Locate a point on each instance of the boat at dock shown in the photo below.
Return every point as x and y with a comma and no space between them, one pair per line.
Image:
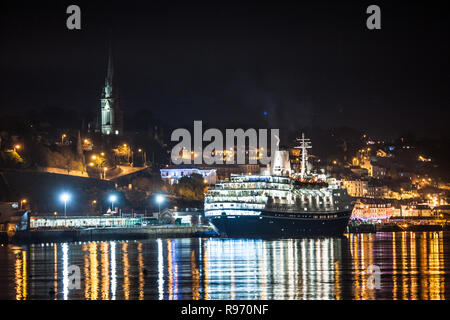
278,203
275,207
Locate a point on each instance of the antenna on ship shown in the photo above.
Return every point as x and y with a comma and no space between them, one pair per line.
304,145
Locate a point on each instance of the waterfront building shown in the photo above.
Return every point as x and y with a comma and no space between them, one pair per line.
173,174
376,189
355,187
442,211
12,217
211,173
83,222
374,209
378,172
419,210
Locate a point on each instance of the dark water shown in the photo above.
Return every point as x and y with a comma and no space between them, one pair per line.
412,266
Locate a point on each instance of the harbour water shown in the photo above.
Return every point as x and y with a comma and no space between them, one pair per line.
411,265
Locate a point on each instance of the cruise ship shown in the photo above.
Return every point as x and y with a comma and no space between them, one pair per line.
278,203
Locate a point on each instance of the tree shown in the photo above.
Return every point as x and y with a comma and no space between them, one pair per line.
123,153
136,198
190,188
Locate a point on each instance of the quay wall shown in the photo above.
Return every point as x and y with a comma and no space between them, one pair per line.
98,234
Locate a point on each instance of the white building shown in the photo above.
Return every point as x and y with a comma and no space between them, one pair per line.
174,174
355,187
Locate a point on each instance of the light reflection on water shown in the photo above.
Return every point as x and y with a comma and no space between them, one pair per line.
413,266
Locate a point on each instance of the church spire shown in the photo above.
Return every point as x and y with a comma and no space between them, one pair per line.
110,72
108,89
111,115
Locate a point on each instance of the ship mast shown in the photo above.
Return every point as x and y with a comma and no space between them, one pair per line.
304,145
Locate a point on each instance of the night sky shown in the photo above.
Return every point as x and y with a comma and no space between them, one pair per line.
304,63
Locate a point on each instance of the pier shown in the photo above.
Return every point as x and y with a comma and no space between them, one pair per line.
83,228
105,233
111,233
411,225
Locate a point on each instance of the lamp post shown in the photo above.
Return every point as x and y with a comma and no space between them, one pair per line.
159,200
65,197
113,199
142,156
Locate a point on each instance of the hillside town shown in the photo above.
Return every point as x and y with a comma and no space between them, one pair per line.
108,151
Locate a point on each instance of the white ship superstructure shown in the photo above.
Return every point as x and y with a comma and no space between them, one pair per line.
257,193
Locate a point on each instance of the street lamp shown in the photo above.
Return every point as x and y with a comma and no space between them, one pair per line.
65,197
113,199
159,200
22,202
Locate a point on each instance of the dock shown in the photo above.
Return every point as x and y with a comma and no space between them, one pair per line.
397,226
105,233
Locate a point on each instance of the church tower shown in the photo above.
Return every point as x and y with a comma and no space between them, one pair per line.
111,115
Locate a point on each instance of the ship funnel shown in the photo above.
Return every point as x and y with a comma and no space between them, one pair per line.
281,165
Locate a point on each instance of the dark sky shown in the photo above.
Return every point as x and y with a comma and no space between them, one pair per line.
224,62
